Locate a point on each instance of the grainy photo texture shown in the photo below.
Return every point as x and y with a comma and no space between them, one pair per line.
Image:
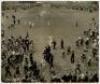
49,41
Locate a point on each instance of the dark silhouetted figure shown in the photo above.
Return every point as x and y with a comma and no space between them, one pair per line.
63,54
67,78
14,21
81,41
87,43
89,62
17,70
62,44
77,69
86,79
68,50
83,57
94,78
54,44
7,71
48,56
74,78
76,24
72,57
13,17
26,79
2,33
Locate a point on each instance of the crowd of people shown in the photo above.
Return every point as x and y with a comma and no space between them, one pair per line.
15,53
18,52
87,42
19,65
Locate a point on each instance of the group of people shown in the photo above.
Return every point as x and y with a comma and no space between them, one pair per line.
19,65
88,43
17,55
17,59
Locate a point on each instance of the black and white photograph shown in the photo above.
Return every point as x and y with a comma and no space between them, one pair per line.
50,41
